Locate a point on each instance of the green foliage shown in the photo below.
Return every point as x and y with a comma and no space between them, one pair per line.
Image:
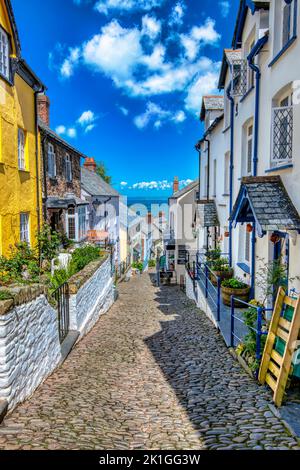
22,266
49,242
234,283
101,170
152,263
139,266
212,255
249,344
271,276
83,256
5,295
221,264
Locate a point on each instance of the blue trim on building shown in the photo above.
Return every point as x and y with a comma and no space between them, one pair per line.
247,94
293,38
244,267
279,168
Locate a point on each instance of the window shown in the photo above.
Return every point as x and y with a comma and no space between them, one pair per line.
247,245
21,149
24,228
51,161
215,178
4,54
71,224
282,131
249,149
286,22
68,163
82,223
226,173
250,70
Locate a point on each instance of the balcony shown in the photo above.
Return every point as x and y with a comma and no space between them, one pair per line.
282,136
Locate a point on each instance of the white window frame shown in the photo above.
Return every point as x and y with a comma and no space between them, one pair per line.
285,101
290,7
68,218
249,141
24,227
82,226
4,54
51,161
247,246
21,149
68,166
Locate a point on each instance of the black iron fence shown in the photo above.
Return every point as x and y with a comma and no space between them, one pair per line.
62,300
122,268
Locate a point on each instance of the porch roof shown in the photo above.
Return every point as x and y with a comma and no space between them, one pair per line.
65,203
208,214
265,201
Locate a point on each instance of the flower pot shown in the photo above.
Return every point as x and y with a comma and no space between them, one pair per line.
222,275
242,294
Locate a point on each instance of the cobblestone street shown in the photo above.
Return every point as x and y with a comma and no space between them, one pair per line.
152,374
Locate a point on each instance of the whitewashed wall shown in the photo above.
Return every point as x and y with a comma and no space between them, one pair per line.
29,349
92,299
197,296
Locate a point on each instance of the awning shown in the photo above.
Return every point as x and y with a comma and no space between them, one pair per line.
65,203
207,213
265,201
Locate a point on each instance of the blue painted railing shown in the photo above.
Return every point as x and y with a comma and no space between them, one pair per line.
203,276
259,324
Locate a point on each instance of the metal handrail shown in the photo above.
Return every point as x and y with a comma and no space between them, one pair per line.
217,302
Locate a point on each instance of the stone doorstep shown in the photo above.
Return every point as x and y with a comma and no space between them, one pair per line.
3,409
68,344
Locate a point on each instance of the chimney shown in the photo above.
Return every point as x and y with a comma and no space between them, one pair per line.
43,106
149,217
176,185
90,164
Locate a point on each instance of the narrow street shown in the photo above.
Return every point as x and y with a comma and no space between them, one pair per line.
152,374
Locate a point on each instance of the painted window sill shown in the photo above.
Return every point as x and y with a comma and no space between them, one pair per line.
247,94
279,168
283,50
244,267
23,170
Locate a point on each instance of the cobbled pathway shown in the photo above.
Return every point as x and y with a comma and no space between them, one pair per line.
152,374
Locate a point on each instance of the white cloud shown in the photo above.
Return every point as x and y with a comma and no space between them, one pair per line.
160,185
86,118
123,184
225,8
123,110
66,131
177,14
60,130
202,85
159,116
198,37
69,64
89,128
106,6
151,26
72,133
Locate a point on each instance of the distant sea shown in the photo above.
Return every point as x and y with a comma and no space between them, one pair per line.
147,203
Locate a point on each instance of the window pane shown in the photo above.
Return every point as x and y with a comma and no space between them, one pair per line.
71,228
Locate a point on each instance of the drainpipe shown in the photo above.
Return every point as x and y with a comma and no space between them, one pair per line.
231,167
198,149
256,49
208,183
37,163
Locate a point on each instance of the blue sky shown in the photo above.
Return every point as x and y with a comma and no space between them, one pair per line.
125,79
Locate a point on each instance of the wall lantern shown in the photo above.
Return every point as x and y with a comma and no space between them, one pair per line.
249,228
274,238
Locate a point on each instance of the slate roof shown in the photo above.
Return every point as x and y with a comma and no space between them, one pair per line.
211,103
207,213
229,56
185,190
65,202
46,130
95,185
266,200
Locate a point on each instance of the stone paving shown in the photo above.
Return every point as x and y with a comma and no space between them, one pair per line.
153,374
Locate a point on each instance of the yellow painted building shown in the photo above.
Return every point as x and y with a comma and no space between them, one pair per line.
20,188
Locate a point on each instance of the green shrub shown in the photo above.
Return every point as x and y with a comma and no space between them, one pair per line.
234,283
81,257
49,242
152,263
22,259
5,295
212,255
221,265
139,266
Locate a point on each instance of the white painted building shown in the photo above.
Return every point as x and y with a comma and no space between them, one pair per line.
254,167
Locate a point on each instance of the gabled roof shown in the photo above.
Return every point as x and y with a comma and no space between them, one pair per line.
211,103
47,131
229,56
264,200
208,214
185,190
93,184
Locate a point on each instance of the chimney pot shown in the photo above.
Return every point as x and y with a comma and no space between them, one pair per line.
176,184
90,164
149,218
43,108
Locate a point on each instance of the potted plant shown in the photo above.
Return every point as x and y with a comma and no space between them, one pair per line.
220,269
212,255
237,288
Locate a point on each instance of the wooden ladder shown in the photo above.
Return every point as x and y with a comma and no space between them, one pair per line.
274,368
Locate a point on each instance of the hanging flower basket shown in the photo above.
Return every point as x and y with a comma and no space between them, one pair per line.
274,238
249,228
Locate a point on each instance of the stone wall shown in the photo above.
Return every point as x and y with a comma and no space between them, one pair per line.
29,343
92,293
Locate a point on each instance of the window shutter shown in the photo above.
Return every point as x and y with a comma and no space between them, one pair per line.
286,24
